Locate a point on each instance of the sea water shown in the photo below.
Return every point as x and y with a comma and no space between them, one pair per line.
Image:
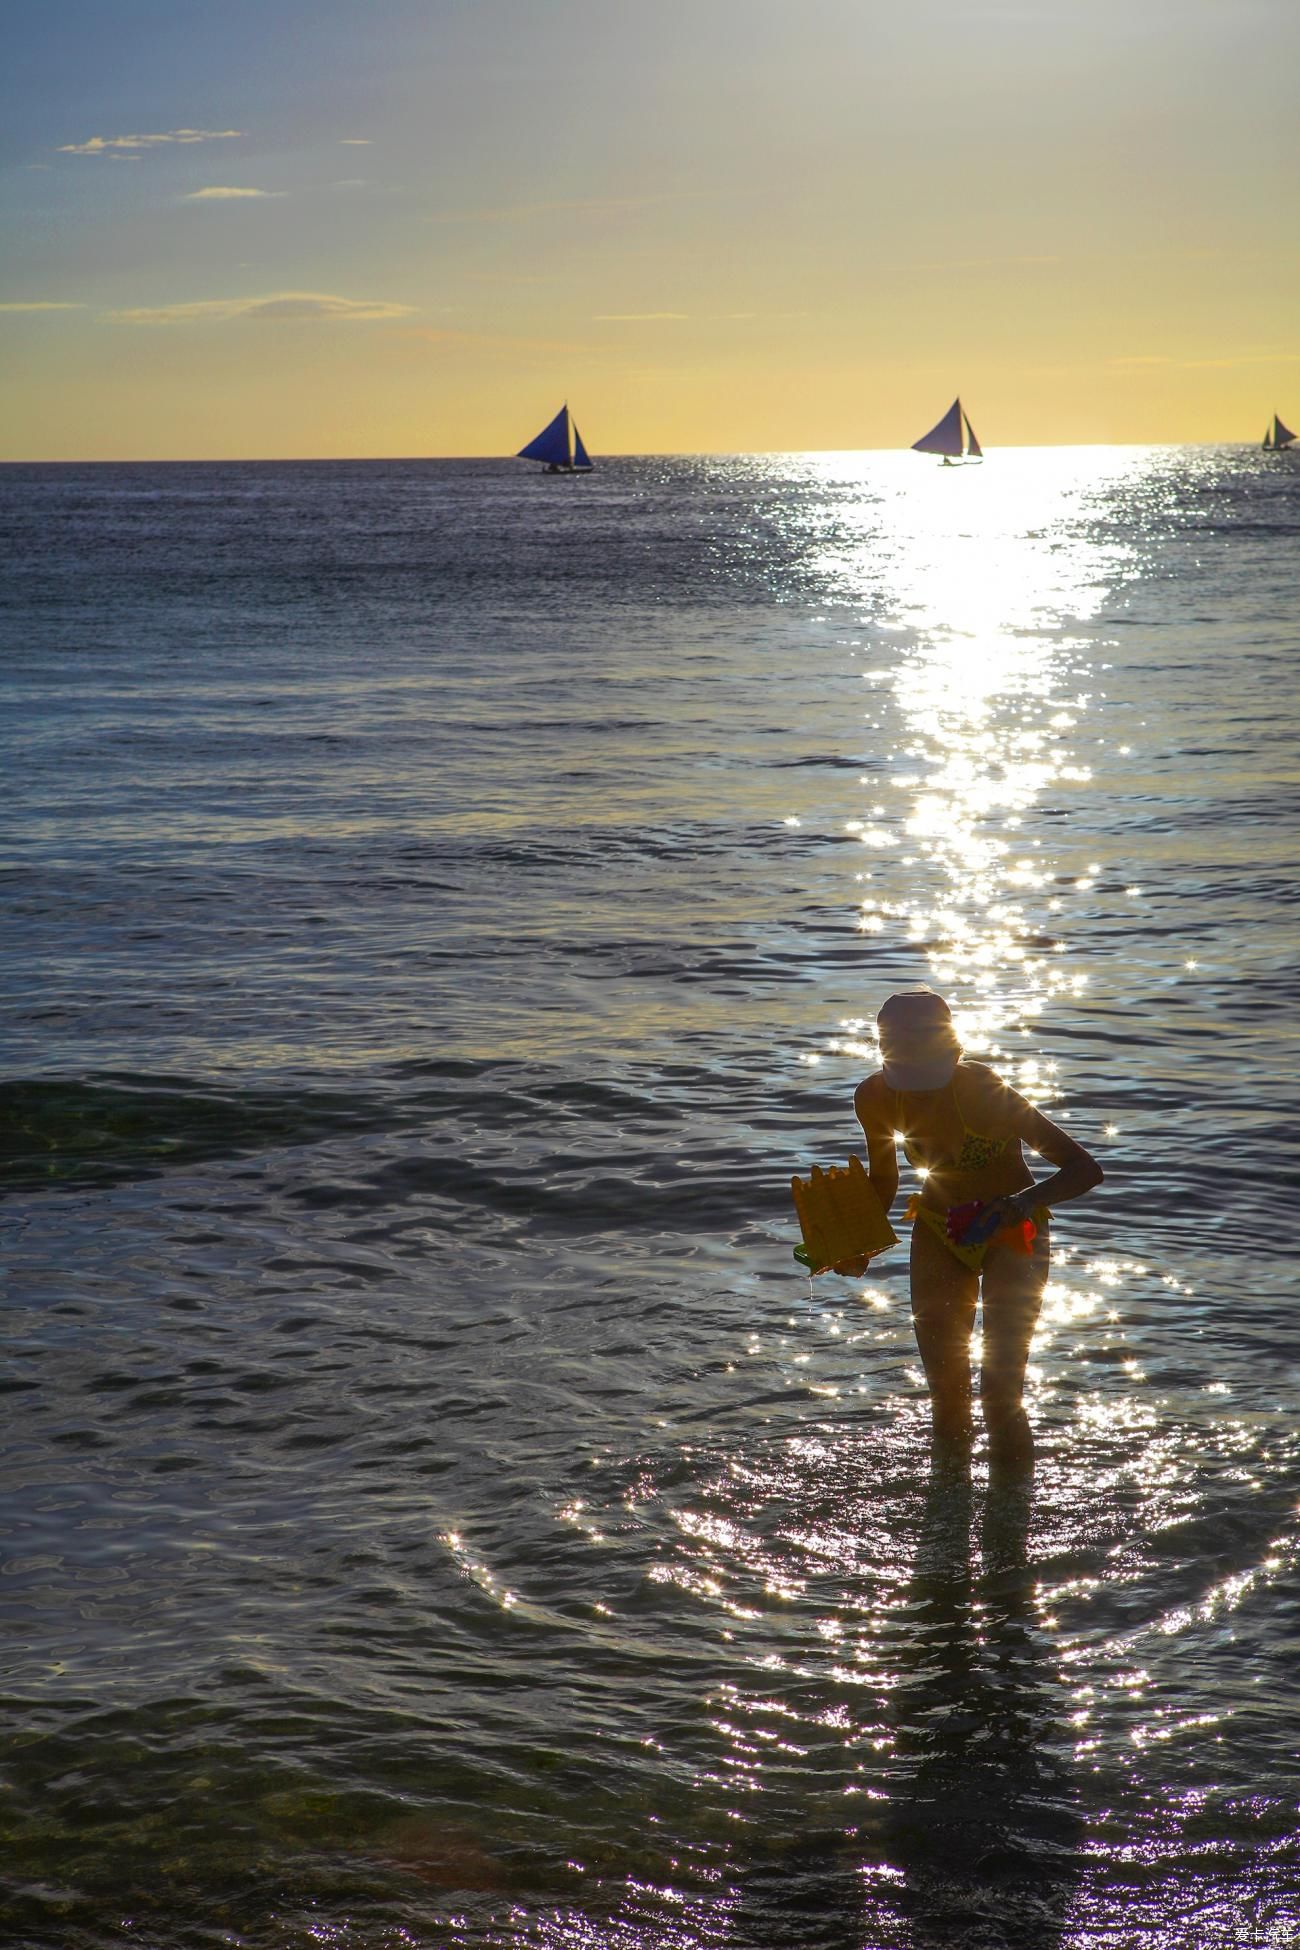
444,904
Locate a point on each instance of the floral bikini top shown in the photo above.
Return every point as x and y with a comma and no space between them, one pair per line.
977,1148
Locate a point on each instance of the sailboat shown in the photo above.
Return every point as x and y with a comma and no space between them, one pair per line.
559,446
1277,437
953,437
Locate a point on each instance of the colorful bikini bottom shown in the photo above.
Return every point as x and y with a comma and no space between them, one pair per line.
937,1222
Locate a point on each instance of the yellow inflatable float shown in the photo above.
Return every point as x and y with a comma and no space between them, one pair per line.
840,1217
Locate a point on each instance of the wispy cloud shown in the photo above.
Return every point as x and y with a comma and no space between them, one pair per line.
275,305
355,141
224,193
106,145
635,317
40,304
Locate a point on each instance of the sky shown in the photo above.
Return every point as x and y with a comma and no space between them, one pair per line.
320,228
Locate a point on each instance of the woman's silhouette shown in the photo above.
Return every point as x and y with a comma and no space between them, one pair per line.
964,1129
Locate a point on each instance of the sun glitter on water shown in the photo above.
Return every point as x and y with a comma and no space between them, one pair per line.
979,573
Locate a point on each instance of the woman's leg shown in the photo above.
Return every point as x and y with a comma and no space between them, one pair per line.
1013,1294
943,1313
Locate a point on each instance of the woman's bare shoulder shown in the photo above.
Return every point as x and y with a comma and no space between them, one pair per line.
872,1098
981,1086
978,1075
986,1094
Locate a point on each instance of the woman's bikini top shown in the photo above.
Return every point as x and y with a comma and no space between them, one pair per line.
977,1149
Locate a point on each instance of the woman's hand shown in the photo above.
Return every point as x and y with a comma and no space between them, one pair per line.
1015,1208
852,1268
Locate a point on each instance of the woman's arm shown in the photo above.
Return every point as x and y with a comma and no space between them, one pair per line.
882,1162
1077,1171
882,1157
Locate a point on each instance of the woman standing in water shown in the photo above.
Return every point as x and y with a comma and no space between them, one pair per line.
963,1128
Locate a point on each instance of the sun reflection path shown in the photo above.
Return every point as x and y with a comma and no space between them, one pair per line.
985,696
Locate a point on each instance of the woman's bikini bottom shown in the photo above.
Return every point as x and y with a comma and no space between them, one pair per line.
937,1222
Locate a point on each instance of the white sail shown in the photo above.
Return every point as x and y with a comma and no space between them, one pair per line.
1282,435
972,444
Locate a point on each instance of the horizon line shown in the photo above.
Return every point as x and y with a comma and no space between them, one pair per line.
668,453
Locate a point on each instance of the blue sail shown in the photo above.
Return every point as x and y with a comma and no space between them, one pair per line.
581,458
552,443
944,438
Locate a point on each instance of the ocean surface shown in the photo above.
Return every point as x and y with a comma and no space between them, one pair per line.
443,906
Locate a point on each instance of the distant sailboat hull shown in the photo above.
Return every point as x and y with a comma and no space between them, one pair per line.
953,438
559,447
